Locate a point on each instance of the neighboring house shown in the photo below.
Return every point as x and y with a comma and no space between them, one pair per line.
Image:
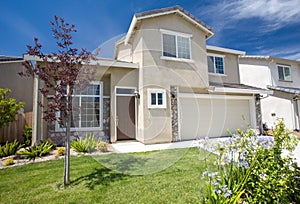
283,77
165,85
21,87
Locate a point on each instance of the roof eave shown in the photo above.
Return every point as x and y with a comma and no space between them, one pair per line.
214,89
135,19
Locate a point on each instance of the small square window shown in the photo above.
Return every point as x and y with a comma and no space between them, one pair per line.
284,73
156,98
215,64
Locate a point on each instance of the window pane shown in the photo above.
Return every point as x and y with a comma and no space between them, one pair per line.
287,74
210,63
280,73
183,46
159,98
92,89
169,45
153,99
125,91
90,112
219,65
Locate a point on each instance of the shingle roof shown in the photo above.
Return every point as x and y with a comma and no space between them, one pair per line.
234,85
173,8
8,58
291,90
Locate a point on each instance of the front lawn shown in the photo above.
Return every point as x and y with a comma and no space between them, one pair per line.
169,176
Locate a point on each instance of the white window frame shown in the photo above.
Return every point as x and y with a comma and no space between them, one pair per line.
59,128
214,56
176,34
157,91
284,77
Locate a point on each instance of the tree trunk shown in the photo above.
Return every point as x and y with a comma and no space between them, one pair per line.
67,143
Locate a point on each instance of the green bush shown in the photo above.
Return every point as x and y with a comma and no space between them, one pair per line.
102,146
27,134
60,151
253,169
88,144
37,150
9,162
10,148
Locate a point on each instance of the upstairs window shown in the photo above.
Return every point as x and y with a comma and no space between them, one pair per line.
176,45
215,64
157,98
284,72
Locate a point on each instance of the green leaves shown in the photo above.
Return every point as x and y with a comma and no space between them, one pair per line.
88,144
8,107
9,148
37,150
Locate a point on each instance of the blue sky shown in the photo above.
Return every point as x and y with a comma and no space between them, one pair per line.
263,27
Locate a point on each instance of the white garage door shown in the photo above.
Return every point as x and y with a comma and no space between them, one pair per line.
213,116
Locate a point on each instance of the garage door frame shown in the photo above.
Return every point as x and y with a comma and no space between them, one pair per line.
223,97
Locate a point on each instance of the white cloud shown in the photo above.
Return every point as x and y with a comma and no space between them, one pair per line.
274,14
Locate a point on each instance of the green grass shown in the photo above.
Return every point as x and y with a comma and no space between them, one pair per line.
169,176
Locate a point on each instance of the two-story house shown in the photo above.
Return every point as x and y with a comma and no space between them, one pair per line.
283,77
165,84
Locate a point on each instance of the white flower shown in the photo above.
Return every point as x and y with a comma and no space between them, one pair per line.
263,176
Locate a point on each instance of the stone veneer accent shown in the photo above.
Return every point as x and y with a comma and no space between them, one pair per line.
174,113
58,137
258,113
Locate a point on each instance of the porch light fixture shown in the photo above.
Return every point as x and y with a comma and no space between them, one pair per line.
136,94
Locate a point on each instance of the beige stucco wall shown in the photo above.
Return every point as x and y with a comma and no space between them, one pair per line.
154,125
21,87
231,67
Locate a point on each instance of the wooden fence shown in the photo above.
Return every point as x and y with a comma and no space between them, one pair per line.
14,130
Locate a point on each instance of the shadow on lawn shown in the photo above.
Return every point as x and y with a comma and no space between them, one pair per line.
119,165
100,176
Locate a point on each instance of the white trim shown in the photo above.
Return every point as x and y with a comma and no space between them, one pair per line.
212,96
156,91
178,115
100,62
226,50
241,91
216,74
172,32
177,59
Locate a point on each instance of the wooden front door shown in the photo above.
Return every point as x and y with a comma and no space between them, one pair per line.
125,117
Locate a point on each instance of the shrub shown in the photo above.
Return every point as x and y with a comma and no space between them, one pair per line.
37,150
9,148
102,146
27,134
9,162
253,169
88,144
60,151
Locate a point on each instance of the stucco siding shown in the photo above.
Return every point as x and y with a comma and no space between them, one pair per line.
21,87
231,69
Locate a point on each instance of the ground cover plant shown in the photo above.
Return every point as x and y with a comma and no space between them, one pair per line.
91,182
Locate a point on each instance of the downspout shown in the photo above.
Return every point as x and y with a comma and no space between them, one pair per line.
35,106
297,122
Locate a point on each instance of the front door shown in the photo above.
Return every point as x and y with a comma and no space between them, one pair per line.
125,117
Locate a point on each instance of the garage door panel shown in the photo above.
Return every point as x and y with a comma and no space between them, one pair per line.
212,117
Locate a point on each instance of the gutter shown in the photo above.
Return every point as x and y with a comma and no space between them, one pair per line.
214,89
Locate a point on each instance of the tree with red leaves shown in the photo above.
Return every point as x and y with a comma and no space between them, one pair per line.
62,72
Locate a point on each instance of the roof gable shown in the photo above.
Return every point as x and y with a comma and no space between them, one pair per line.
165,11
